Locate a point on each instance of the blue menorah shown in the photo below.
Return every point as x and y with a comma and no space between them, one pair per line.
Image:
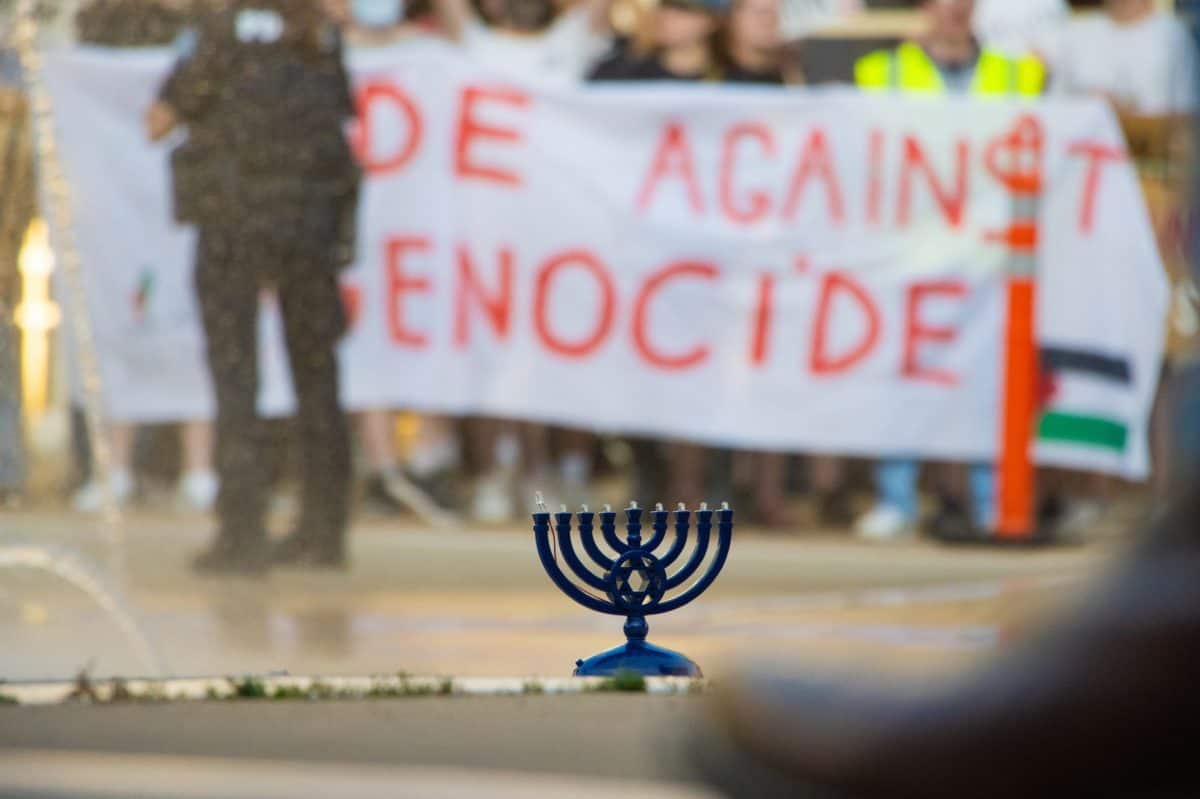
635,582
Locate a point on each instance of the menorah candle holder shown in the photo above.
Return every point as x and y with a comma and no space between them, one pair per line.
635,581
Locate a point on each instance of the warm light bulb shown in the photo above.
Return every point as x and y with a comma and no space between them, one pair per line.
36,258
37,317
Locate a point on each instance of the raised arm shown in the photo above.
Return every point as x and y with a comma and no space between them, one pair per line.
188,91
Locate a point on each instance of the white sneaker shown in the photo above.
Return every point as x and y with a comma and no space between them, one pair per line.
90,498
198,490
1079,521
492,501
884,523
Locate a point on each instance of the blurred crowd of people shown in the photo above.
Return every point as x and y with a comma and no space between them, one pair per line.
1140,58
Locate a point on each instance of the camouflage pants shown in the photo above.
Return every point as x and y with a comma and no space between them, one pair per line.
230,270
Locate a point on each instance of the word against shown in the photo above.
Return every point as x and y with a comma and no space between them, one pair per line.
747,173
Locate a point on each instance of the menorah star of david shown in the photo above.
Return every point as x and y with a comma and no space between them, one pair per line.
634,583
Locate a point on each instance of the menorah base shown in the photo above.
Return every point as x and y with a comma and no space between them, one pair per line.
639,657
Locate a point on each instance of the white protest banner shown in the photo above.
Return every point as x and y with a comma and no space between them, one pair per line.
776,269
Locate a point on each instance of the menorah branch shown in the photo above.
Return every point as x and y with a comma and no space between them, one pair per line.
562,527
541,534
703,531
587,537
682,523
724,542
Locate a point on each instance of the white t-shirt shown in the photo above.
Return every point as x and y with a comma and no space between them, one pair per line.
563,53
1018,27
1149,66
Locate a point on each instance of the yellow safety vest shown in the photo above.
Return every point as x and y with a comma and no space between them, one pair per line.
910,69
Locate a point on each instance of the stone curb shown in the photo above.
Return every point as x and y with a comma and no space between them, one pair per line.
286,687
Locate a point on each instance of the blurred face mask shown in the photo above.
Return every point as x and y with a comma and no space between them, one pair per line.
377,13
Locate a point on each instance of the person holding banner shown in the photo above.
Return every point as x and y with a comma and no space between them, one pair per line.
1018,28
198,484
1144,62
532,39
536,41
753,46
422,482
679,42
738,44
944,58
268,177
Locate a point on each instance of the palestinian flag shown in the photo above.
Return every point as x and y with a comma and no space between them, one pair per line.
1087,400
141,296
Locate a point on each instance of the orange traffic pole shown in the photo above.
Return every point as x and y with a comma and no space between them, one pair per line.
1015,473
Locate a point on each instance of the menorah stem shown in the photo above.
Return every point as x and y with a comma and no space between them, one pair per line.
636,628
633,527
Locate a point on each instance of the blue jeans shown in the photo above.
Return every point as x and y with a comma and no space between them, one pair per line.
896,487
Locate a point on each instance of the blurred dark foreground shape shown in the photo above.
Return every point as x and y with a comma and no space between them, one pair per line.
1104,703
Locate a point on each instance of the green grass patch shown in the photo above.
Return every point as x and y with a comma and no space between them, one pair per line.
403,686
121,692
316,690
285,692
248,688
624,681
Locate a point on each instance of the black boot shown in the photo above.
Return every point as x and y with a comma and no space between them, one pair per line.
232,557
304,550
952,524
1103,704
835,508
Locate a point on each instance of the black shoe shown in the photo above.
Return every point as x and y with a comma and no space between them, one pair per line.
834,509
1104,704
953,525
224,558
304,551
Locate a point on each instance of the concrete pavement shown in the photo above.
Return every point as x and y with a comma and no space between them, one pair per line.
476,602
